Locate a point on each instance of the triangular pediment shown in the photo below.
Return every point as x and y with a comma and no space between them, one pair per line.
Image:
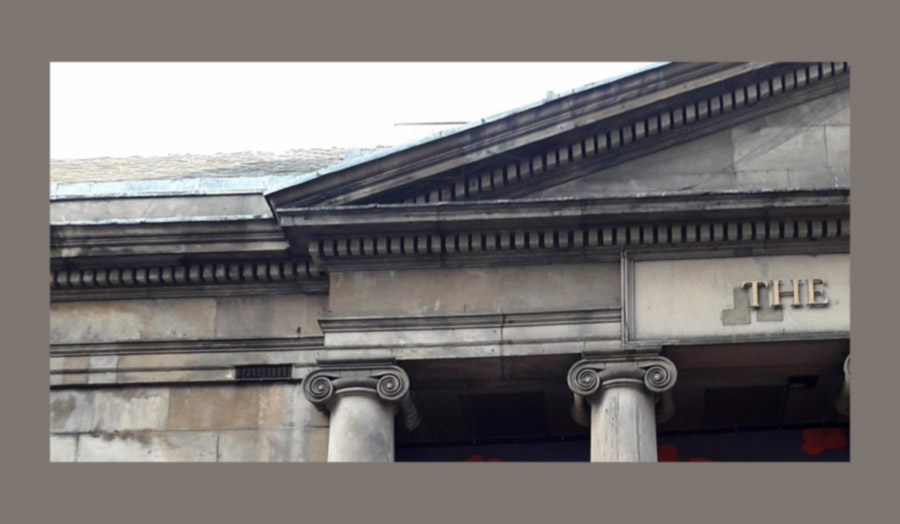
806,147
669,129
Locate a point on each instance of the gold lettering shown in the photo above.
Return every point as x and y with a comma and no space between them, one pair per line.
813,292
776,290
754,293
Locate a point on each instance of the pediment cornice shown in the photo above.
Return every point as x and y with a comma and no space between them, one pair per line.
521,152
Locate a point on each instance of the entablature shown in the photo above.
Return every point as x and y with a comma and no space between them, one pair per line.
464,233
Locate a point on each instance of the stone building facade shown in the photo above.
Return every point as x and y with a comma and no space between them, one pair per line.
660,256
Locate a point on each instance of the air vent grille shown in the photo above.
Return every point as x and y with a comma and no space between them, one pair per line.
263,372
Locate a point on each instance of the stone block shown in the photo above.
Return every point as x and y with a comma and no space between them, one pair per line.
145,446
300,412
71,411
126,320
414,292
131,409
270,316
225,407
749,179
559,287
176,375
837,141
285,445
255,446
62,448
821,178
75,378
57,363
789,147
102,369
76,363
309,445
841,116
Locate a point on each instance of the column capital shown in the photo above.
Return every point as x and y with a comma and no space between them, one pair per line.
389,382
587,376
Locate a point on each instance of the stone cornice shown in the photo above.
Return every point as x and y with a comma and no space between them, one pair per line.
503,213
478,233
156,239
186,279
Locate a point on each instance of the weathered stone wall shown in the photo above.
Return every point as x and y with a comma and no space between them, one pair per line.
186,319
803,147
214,423
482,290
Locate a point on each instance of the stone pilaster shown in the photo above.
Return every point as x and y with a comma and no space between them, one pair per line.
624,398
362,400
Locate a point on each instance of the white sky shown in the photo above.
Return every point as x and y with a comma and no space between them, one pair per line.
150,109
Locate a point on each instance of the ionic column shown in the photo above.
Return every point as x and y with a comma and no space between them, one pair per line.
362,400
624,399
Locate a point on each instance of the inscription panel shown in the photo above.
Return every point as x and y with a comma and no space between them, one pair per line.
777,295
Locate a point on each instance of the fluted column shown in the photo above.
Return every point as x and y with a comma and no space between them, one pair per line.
362,400
624,398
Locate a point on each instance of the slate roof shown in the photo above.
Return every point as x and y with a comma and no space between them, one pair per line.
240,172
197,166
237,172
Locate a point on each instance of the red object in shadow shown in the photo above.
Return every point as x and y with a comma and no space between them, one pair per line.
478,458
700,459
818,440
667,453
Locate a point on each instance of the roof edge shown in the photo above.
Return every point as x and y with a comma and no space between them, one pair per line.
347,182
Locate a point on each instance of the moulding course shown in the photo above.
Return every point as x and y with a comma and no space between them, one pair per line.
188,279
163,347
484,320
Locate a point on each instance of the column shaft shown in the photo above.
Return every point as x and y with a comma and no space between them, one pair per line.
623,423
